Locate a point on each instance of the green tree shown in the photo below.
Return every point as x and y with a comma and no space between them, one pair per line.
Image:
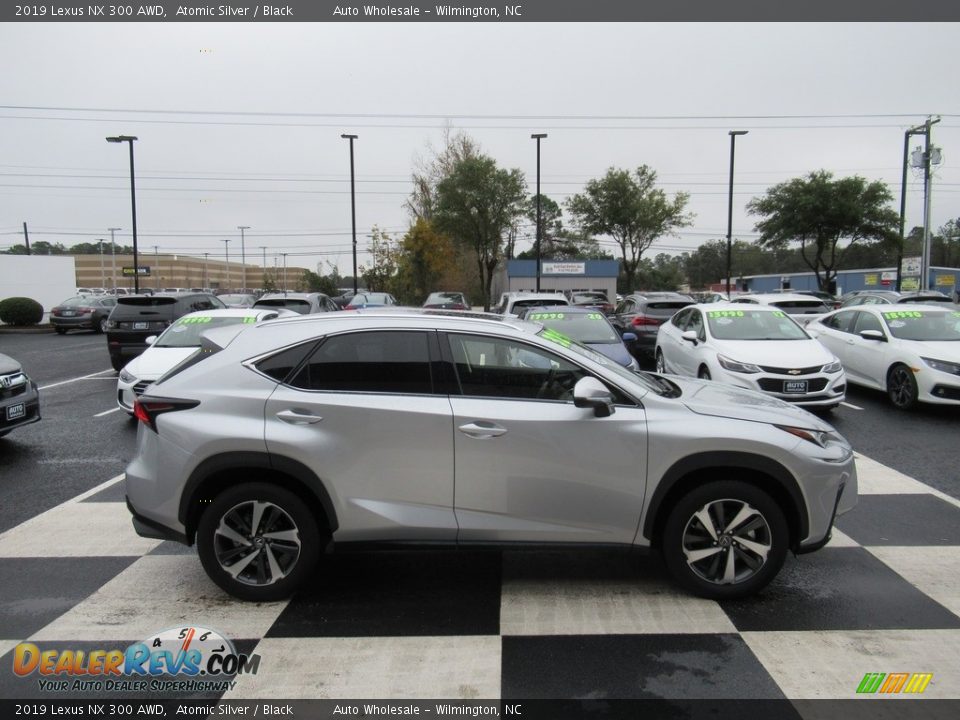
325,284
630,209
381,274
476,204
430,172
427,262
820,213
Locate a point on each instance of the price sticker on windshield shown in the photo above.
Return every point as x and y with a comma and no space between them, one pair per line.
557,337
902,314
198,320
725,313
545,316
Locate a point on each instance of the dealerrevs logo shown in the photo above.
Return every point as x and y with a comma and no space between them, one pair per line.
185,659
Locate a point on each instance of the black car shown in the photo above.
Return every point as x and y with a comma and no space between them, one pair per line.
137,317
643,315
83,312
19,397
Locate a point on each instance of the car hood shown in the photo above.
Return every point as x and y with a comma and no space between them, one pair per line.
8,365
727,401
936,350
155,361
615,351
776,353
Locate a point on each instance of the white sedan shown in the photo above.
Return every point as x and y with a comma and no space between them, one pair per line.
758,347
177,343
912,354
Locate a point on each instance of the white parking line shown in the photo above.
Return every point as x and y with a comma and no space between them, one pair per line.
107,412
84,377
855,407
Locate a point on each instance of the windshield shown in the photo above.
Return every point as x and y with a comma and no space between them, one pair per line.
188,330
753,325
923,326
588,328
797,307
77,302
295,304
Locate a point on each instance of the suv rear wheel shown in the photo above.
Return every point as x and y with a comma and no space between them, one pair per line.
725,540
258,542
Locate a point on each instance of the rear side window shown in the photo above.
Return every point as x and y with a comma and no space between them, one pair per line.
280,366
383,361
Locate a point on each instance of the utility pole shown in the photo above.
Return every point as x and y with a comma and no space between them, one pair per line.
927,190
103,279
26,237
243,256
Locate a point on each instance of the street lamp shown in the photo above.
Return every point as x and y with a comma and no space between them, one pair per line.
353,210
733,144
284,273
226,250
113,246
538,137
243,256
133,205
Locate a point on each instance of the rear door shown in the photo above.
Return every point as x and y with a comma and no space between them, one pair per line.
361,412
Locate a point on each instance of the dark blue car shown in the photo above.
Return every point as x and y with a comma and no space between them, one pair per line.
587,326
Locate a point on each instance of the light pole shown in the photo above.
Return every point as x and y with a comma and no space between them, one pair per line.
733,144
113,246
103,279
263,280
353,211
538,137
243,256
226,250
284,273
133,206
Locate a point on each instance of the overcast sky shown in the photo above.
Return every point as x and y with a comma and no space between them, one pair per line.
240,124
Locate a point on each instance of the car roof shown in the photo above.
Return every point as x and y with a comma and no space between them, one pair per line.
781,297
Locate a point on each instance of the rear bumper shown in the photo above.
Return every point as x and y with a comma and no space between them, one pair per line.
154,530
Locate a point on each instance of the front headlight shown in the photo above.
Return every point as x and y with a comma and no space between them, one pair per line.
126,377
833,367
734,366
820,438
943,366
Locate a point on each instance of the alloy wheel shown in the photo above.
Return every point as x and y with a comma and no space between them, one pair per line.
257,543
726,541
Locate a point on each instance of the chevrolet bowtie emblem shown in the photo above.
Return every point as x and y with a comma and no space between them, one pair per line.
794,372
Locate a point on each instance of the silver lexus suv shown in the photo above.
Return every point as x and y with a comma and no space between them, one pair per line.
304,435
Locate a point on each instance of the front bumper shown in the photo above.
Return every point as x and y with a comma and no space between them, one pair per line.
19,406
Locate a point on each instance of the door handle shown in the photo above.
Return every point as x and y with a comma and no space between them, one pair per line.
482,430
295,417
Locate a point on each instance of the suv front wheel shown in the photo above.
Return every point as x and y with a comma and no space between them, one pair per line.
258,542
725,540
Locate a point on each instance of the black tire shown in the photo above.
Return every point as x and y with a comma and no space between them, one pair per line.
117,364
661,364
902,387
712,576
295,557
60,331
100,326
704,373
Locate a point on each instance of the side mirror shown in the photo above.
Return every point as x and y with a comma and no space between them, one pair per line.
151,340
629,337
690,336
873,335
591,393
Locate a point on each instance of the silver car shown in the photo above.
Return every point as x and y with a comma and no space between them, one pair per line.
309,434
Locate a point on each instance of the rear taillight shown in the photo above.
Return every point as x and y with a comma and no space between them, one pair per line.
84,311
644,320
146,410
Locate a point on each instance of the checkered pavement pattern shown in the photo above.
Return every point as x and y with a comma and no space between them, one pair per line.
883,596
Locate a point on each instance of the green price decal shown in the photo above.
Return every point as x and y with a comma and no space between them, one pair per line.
249,320
557,337
594,316
545,316
195,320
725,313
902,314
779,313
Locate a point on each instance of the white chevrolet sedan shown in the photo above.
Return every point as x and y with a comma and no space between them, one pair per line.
911,353
758,347
177,343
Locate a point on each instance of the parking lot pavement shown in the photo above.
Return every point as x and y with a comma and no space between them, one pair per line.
883,597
